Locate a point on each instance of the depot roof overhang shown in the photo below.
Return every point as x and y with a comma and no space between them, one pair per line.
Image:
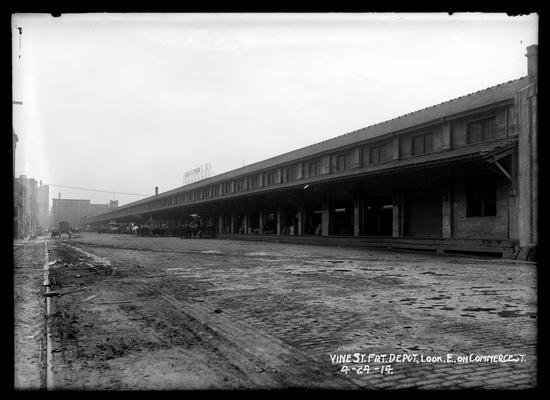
494,97
478,152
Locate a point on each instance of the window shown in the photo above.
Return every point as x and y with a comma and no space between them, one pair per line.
253,180
315,168
422,144
226,187
270,178
481,197
379,154
482,130
239,185
290,174
342,162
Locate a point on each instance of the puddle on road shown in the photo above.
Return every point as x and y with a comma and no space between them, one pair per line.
515,314
509,314
438,298
434,273
478,309
258,253
211,252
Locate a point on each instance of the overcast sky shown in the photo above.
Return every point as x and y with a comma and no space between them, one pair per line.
127,102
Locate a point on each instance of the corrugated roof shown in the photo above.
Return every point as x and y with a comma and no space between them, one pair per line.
481,98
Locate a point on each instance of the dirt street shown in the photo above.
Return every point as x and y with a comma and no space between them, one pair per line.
170,313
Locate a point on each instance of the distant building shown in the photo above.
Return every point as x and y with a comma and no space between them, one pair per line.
113,204
74,210
70,210
25,207
18,210
43,200
30,203
96,209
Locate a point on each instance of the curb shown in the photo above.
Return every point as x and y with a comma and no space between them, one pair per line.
49,355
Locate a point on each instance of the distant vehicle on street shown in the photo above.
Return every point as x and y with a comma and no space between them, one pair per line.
64,227
102,229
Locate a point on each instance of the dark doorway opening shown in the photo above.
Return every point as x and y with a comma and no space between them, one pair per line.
270,226
313,218
239,224
254,222
341,215
290,222
379,216
423,213
226,223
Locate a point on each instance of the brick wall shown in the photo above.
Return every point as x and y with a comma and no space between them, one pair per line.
480,227
406,140
459,128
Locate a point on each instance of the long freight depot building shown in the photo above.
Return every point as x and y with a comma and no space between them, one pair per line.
460,176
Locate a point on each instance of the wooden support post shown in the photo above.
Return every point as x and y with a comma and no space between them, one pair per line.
397,208
246,222
447,206
356,216
325,218
262,221
300,221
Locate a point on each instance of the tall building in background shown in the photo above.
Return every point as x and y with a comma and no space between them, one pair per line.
25,207
43,200
74,210
18,209
70,210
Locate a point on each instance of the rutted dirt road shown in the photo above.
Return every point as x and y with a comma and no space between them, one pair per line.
166,313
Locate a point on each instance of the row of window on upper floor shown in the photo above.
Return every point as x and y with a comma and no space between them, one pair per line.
477,131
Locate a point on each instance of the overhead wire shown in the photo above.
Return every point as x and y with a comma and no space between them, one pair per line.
97,190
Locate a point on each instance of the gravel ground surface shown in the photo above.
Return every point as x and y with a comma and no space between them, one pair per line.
170,313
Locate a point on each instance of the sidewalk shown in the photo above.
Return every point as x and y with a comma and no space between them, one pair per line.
29,316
